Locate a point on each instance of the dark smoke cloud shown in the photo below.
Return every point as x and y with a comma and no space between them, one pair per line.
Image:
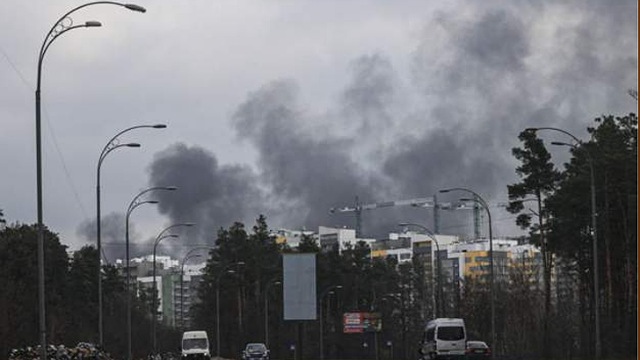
498,41
477,87
113,237
310,173
368,97
209,194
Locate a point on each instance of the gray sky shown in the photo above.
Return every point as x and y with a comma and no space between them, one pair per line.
290,108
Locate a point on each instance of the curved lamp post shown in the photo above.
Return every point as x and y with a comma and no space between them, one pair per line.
321,335
266,310
184,260
159,238
432,236
113,144
399,297
225,270
594,232
484,204
132,206
61,26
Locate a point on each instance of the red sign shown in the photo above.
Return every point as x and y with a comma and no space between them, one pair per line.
359,322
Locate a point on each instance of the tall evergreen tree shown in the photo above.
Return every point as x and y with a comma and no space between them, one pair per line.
539,179
612,152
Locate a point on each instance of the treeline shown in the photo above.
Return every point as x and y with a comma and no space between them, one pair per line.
71,298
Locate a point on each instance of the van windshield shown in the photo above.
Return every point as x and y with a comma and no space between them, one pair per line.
188,344
450,333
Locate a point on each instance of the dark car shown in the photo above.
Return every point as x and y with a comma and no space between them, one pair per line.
255,351
478,350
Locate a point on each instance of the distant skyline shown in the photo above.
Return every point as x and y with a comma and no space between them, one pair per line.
288,109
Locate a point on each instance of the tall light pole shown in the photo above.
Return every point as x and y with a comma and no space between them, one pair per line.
154,307
596,286
61,26
159,238
399,297
266,310
432,236
186,258
113,144
224,270
321,335
132,206
484,204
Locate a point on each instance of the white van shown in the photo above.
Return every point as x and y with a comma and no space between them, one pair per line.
195,345
444,338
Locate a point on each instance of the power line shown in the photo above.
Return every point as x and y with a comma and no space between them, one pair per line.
51,133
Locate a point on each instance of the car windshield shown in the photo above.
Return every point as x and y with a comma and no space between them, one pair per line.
188,344
256,347
450,333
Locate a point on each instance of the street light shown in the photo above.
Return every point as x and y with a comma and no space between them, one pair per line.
222,272
432,236
181,276
399,297
109,147
59,27
484,204
187,257
132,206
596,286
155,295
322,294
266,311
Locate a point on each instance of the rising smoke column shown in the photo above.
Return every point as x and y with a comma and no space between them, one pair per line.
487,73
113,237
310,170
209,194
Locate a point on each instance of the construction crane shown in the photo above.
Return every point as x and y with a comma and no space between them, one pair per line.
430,202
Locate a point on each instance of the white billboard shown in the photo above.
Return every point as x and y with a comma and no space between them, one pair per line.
299,286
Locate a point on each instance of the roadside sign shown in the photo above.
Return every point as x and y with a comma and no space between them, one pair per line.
360,322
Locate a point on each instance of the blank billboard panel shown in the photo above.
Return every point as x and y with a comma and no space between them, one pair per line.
299,286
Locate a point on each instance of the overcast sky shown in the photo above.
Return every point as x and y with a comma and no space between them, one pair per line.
290,108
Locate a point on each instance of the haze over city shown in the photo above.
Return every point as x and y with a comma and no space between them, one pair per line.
290,109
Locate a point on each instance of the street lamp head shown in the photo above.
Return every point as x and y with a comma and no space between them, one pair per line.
159,126
230,271
403,224
445,190
466,199
172,236
531,129
241,263
171,188
136,145
560,143
92,23
134,7
338,286
151,201
277,283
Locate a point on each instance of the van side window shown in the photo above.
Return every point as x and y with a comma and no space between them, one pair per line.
429,336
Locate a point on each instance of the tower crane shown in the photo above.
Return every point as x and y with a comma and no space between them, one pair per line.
428,202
